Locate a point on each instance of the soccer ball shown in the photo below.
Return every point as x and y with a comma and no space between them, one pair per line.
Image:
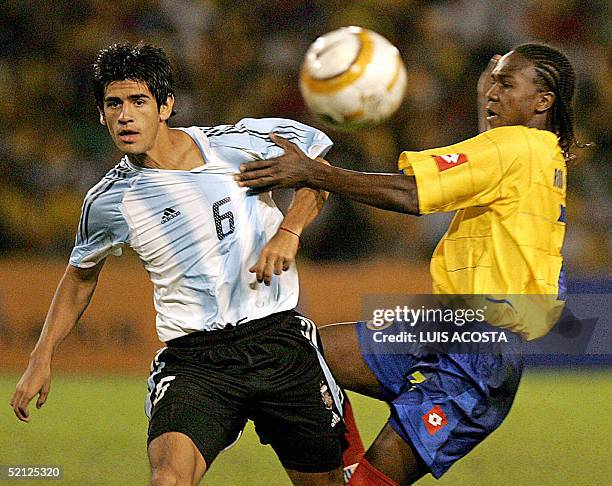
352,77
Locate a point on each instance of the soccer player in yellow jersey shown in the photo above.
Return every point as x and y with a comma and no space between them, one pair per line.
504,244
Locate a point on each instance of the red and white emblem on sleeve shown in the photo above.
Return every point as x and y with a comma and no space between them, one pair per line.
448,161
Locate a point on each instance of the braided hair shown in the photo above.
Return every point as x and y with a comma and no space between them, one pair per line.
555,73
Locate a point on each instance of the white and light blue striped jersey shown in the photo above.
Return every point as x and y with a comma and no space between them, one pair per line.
196,231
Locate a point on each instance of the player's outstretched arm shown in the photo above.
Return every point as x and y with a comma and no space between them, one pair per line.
394,192
279,253
71,298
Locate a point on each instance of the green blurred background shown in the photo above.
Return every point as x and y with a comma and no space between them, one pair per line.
236,59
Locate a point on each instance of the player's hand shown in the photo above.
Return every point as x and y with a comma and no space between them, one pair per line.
291,169
483,87
276,257
484,81
35,380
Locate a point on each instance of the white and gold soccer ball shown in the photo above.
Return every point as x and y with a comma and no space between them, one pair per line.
352,77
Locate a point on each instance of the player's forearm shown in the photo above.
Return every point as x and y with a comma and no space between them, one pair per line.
306,205
71,298
393,192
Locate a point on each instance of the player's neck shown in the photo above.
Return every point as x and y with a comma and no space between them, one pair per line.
173,150
540,121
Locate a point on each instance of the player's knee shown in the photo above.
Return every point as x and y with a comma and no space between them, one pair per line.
175,461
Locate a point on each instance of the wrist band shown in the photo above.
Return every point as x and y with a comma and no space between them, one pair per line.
292,232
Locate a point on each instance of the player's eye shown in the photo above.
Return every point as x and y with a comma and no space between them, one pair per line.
112,104
140,102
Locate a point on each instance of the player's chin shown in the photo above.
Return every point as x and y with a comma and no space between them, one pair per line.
495,121
131,148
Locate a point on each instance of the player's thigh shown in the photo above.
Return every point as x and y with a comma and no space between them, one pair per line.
393,456
331,478
175,459
343,355
196,401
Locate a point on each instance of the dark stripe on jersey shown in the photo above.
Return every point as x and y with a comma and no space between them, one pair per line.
216,130
121,171
89,203
267,139
81,233
292,127
123,168
118,174
255,133
225,128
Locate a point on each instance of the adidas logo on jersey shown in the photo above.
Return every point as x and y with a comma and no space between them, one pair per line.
169,214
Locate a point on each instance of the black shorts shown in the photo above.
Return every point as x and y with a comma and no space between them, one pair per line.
206,385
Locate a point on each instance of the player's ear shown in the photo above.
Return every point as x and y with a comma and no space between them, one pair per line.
165,110
546,99
102,117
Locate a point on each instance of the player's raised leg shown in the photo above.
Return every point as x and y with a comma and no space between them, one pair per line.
340,344
175,460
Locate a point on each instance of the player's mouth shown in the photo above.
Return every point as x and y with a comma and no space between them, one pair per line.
491,115
128,136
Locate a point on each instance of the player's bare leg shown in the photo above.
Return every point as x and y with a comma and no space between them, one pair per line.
343,356
390,455
175,460
331,478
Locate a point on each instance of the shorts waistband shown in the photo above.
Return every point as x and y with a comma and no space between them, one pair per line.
230,333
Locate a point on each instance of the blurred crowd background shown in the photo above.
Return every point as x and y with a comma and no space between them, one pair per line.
238,59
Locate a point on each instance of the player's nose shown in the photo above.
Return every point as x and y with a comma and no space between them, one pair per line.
125,115
492,94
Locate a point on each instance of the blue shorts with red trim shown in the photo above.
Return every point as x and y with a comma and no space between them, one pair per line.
444,404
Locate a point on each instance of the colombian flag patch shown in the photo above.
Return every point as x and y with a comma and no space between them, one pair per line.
449,161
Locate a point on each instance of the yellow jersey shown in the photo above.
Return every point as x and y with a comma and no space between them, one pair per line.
508,188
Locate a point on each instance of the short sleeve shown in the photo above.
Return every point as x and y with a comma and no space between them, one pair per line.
467,174
102,228
253,134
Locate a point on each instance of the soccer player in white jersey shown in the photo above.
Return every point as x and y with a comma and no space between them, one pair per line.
235,349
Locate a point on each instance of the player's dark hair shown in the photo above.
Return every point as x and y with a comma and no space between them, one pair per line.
554,72
140,62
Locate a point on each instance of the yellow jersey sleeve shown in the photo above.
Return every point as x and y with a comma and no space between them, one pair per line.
466,174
